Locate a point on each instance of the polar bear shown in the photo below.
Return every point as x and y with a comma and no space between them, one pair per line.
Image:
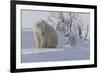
45,35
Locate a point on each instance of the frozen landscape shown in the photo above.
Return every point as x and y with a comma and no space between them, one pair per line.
73,30
30,54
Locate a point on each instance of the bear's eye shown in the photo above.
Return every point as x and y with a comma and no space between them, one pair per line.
38,25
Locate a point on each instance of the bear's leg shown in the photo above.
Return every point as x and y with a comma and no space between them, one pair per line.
43,41
37,39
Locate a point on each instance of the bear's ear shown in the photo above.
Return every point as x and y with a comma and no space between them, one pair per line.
43,21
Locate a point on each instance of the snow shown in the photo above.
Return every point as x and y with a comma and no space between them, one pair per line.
41,50
62,53
65,54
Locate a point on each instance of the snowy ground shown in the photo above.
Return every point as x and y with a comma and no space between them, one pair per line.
30,54
55,55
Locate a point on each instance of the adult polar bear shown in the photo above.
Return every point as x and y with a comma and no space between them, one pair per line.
45,35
